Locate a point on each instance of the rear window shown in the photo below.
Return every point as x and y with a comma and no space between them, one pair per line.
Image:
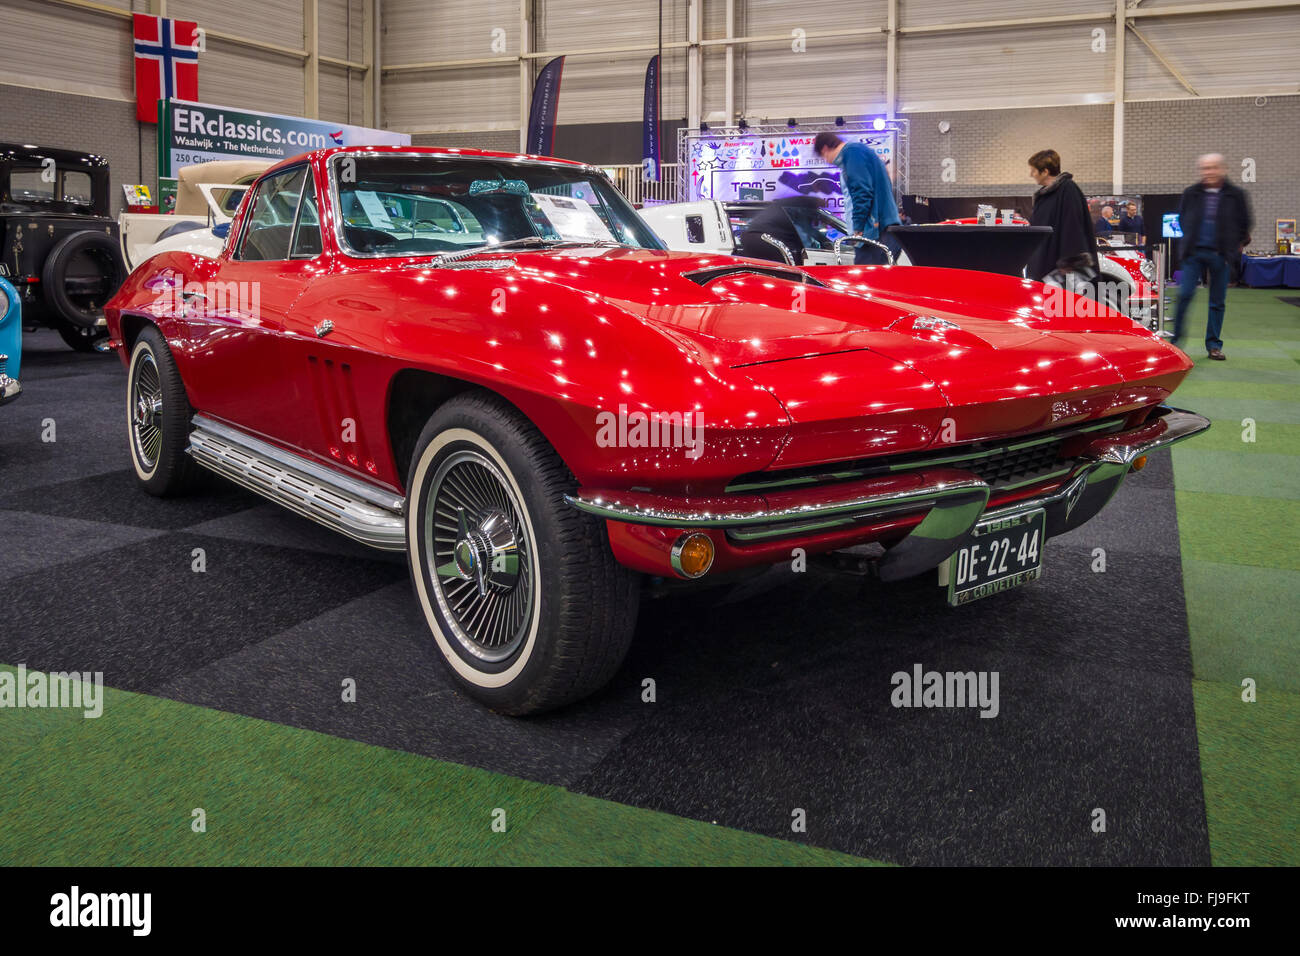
36,184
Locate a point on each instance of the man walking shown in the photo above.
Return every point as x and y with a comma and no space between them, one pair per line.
1215,218
869,205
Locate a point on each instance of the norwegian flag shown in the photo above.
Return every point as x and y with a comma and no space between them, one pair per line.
166,63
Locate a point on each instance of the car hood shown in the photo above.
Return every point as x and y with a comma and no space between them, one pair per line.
994,354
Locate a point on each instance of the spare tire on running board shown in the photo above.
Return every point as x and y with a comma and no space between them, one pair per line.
81,274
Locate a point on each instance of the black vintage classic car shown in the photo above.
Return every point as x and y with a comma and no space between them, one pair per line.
58,245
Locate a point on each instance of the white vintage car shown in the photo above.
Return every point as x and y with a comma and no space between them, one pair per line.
207,197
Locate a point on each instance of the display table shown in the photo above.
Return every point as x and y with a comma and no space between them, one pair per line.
1261,272
1003,249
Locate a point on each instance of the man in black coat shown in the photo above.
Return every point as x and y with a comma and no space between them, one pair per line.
1215,219
774,220
1060,203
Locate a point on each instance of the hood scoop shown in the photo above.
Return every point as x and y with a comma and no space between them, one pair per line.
704,277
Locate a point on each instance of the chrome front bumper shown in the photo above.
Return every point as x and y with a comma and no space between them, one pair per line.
954,500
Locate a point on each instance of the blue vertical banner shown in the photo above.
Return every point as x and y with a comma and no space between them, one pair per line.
546,103
650,147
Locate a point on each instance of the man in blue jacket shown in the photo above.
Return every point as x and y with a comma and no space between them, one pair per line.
869,205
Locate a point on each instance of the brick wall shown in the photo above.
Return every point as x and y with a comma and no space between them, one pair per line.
1162,141
990,149
89,124
502,140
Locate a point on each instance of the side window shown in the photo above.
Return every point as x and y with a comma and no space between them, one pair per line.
269,229
29,184
76,187
306,237
694,228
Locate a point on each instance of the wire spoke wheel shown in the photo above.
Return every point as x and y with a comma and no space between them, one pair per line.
147,411
479,556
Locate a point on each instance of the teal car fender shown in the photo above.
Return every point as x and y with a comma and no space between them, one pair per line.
11,342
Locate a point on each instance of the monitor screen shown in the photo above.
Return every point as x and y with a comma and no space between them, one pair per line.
1171,229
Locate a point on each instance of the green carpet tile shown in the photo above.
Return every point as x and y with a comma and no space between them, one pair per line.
1239,523
121,790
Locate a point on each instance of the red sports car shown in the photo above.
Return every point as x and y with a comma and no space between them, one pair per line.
489,362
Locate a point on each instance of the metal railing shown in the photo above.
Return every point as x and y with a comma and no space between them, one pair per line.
628,180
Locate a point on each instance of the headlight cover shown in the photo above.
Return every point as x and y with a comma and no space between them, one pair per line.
1148,270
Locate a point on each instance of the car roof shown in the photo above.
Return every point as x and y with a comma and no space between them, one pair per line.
17,151
324,155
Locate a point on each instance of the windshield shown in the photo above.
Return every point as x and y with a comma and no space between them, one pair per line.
395,205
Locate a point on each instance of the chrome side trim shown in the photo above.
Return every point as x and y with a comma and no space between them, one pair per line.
351,507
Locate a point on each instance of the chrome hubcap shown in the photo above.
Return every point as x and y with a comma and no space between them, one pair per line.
147,411
487,553
482,572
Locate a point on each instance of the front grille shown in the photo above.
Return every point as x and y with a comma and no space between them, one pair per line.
1004,465
1007,468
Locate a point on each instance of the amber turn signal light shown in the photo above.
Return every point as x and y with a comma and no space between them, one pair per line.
1139,462
692,554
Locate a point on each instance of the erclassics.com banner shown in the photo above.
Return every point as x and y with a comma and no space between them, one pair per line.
203,132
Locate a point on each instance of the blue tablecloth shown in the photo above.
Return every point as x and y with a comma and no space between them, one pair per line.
1266,271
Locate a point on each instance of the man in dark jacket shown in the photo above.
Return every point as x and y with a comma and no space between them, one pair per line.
1102,225
868,194
1215,218
1134,223
1059,203
774,220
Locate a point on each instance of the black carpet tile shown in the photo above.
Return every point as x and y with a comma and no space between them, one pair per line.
82,396
30,542
405,699
115,497
142,615
267,523
937,786
767,698
788,704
